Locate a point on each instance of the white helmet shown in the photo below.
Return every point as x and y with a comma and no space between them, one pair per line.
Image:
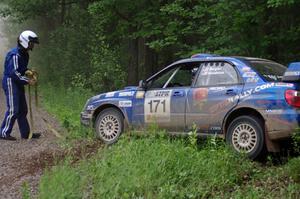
26,37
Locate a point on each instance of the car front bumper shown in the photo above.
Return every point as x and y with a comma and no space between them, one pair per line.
86,118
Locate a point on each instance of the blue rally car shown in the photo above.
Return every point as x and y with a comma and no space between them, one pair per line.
253,103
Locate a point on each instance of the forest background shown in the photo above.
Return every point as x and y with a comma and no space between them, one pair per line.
102,45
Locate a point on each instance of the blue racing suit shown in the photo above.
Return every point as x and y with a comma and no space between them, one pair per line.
13,82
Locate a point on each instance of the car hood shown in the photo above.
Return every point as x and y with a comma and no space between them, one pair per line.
127,92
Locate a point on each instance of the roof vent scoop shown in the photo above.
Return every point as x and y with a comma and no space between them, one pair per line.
203,55
292,73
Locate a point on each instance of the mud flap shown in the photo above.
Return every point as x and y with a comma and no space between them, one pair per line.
272,146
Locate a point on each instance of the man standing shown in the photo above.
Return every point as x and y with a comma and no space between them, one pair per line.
13,82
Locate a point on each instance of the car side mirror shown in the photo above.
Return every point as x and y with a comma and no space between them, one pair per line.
142,84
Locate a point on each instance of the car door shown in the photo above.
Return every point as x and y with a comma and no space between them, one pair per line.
164,102
214,94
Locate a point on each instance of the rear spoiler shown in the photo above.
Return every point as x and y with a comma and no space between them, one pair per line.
292,73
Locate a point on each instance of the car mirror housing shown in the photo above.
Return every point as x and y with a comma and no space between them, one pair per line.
142,84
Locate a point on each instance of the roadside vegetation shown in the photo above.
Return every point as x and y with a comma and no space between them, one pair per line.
66,105
154,165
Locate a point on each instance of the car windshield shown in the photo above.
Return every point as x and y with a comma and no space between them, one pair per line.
271,71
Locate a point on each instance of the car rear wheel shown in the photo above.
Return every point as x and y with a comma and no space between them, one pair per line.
109,125
245,134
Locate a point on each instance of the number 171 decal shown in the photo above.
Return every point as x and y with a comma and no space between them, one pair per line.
157,106
157,103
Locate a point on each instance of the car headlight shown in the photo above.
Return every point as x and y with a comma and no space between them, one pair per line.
86,105
90,108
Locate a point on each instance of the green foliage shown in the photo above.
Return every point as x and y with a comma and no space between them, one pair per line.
105,41
294,169
278,3
65,53
181,28
158,167
70,44
296,142
25,9
107,73
68,183
165,173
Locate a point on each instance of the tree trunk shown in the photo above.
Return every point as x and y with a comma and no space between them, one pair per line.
132,78
63,11
151,59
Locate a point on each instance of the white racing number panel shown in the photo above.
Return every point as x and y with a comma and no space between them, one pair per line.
157,106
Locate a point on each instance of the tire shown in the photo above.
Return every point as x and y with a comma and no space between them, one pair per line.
109,125
245,134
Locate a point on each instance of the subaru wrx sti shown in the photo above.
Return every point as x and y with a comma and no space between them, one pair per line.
253,103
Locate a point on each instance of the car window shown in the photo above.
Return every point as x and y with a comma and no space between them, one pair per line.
216,73
160,80
180,76
183,76
271,71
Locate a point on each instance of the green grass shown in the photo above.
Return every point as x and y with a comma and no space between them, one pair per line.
157,167
66,105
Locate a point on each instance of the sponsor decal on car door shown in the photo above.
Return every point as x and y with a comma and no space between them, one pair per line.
157,106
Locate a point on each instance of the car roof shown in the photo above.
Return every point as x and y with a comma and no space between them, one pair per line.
252,59
211,58
219,58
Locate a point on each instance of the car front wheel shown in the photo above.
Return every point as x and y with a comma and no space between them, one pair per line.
109,125
245,134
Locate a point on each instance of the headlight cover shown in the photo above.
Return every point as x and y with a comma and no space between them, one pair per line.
86,105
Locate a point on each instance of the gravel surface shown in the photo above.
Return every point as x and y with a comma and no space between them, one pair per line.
25,160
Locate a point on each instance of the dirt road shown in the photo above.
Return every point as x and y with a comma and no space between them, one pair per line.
25,160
